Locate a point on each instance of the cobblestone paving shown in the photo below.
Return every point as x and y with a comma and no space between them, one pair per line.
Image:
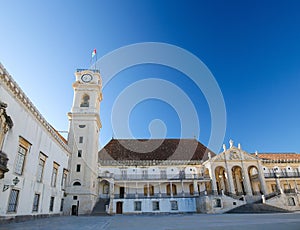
289,221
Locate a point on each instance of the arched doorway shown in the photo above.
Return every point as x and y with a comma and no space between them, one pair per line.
238,182
221,180
104,189
254,180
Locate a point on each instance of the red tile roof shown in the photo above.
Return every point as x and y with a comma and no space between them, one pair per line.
154,149
279,156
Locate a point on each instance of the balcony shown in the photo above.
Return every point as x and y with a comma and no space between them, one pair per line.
282,175
135,177
3,164
155,195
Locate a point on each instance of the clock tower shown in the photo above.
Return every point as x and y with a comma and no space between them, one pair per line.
83,139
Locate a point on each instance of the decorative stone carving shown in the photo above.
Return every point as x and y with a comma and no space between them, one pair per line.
5,124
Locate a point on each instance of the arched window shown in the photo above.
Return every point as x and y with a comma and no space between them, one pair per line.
174,189
85,101
150,191
76,183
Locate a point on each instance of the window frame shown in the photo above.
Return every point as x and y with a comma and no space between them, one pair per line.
36,202
15,203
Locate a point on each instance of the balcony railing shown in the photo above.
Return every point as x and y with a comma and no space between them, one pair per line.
282,175
128,177
155,195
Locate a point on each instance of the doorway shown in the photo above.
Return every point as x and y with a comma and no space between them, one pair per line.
119,207
74,210
122,191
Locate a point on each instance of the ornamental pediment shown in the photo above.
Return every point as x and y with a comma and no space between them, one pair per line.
234,154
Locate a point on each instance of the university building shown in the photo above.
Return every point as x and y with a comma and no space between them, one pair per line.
43,174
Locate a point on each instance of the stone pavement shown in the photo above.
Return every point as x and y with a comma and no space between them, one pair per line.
277,221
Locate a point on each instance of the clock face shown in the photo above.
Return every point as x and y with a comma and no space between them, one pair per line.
86,77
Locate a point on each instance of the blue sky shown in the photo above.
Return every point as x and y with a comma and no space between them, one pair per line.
252,48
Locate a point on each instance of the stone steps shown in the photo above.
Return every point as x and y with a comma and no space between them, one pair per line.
100,207
257,208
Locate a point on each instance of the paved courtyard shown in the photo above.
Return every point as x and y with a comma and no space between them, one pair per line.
289,221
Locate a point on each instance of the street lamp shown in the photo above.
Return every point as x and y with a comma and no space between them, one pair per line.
15,181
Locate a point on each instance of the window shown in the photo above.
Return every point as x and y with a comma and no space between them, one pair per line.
217,203
124,174
41,166
64,179
145,174
155,205
78,168
149,192
13,201
80,139
174,205
174,189
75,197
79,153
137,206
76,183
191,187
23,149
85,101
51,204
54,174
291,201
36,201
61,205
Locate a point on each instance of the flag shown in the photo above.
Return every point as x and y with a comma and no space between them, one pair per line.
94,53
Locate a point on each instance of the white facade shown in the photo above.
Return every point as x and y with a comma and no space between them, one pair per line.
30,142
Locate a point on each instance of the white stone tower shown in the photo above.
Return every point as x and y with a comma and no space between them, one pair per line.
84,127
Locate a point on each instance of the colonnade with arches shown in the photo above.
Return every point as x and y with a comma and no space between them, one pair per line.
238,180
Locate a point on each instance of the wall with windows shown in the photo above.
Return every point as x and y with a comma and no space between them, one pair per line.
38,158
161,205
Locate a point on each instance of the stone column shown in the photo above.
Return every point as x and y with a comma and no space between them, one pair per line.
247,182
171,189
195,185
230,181
182,188
213,180
261,177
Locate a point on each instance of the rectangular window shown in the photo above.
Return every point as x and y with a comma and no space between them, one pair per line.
75,197
155,205
80,139
124,174
36,201
41,166
78,168
13,200
137,206
54,174
64,179
51,204
145,174
174,205
23,149
79,153
61,205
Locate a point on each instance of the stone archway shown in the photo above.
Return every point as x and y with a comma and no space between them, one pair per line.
254,180
238,180
221,180
104,189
